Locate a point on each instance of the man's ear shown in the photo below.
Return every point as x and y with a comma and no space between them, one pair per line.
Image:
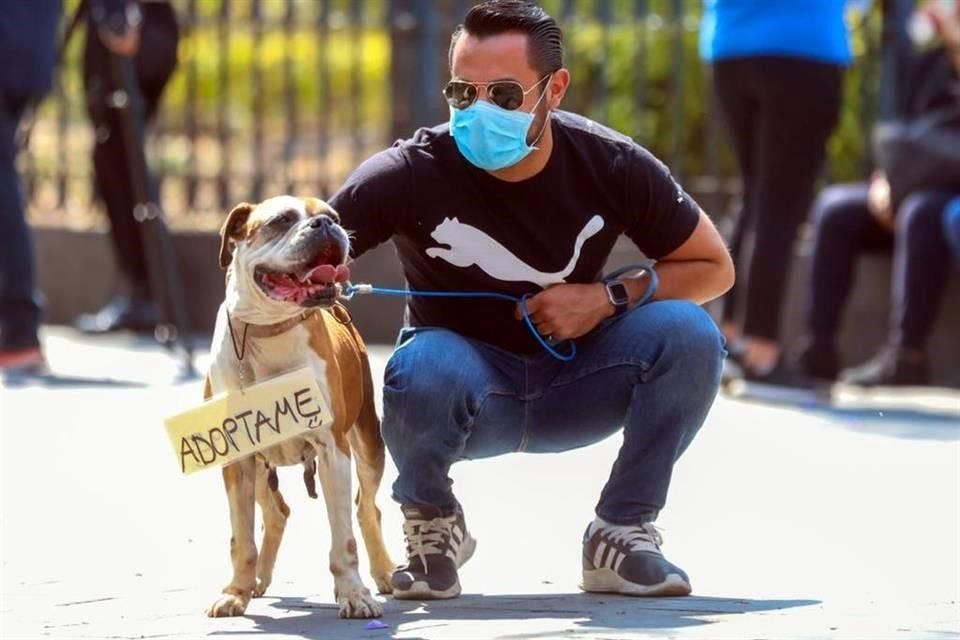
232,230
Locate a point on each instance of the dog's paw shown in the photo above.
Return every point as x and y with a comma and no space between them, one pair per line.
384,584
261,588
228,605
357,602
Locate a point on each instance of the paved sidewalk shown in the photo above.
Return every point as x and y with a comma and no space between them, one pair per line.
793,522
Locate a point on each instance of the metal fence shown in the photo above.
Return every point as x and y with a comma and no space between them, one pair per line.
287,96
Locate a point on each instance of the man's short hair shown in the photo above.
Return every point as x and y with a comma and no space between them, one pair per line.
493,17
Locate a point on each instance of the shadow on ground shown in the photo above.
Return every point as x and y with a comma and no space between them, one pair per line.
51,380
912,413
565,613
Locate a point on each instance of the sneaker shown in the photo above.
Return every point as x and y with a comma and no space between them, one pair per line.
21,359
133,313
782,375
819,361
892,367
437,545
627,560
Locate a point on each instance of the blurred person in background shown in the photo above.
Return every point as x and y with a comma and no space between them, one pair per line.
28,32
951,229
778,74
903,207
146,30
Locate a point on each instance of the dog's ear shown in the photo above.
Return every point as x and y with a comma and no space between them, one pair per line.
232,230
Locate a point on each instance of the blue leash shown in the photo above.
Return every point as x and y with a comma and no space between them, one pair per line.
351,290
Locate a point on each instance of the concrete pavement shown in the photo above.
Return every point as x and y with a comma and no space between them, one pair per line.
800,521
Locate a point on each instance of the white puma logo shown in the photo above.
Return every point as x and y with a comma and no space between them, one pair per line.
469,246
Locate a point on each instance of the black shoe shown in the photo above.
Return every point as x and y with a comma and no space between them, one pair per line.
437,545
628,560
892,367
782,375
122,313
819,360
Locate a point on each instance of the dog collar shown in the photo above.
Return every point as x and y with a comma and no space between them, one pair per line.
262,330
338,311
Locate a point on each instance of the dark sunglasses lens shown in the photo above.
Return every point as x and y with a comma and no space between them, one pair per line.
506,95
460,95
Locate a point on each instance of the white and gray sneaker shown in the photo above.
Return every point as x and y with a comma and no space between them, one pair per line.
628,560
437,545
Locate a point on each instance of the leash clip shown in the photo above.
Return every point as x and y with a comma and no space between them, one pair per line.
349,290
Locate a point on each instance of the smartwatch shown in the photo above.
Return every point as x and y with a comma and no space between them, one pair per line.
618,295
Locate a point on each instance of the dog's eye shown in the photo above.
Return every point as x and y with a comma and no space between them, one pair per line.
284,219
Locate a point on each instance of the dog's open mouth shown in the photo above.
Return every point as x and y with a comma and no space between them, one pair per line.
311,286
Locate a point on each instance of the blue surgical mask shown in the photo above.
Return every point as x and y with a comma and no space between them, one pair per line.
489,137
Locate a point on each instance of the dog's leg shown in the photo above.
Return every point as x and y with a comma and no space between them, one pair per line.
275,513
368,447
333,467
239,479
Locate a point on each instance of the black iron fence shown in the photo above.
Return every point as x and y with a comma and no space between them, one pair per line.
287,96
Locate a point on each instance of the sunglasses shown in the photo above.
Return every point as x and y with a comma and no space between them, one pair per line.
506,94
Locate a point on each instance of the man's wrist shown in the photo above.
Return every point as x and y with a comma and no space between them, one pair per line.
618,295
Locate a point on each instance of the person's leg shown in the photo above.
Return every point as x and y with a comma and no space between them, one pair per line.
800,103
653,373
921,264
951,228
445,398
19,300
843,226
734,88
131,308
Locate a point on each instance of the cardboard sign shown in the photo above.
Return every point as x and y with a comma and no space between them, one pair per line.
235,424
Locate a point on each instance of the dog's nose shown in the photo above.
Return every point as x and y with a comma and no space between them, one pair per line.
318,222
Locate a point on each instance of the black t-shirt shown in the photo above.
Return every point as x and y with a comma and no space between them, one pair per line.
457,228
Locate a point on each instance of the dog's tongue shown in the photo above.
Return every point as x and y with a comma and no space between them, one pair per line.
326,273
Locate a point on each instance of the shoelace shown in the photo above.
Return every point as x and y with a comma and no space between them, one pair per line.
635,538
425,537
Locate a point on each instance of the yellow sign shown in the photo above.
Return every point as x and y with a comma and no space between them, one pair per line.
235,424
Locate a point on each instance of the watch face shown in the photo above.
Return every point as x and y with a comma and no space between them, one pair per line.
617,292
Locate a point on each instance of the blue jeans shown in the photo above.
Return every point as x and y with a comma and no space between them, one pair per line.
653,372
951,228
19,300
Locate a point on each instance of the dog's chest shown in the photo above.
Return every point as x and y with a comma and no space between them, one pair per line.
265,358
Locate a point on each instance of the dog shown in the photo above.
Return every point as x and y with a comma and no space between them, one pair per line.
285,260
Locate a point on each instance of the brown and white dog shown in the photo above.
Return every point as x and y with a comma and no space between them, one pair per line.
284,259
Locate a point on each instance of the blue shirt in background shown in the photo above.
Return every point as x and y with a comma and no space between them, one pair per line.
809,29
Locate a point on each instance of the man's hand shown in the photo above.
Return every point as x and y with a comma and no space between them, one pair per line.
568,311
878,200
946,20
126,45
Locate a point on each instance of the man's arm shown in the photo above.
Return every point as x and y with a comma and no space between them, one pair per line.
699,270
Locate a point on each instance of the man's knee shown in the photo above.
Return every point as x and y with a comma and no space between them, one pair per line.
689,335
951,228
920,213
833,210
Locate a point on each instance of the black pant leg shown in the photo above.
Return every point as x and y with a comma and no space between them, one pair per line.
843,227
921,263
799,107
154,64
